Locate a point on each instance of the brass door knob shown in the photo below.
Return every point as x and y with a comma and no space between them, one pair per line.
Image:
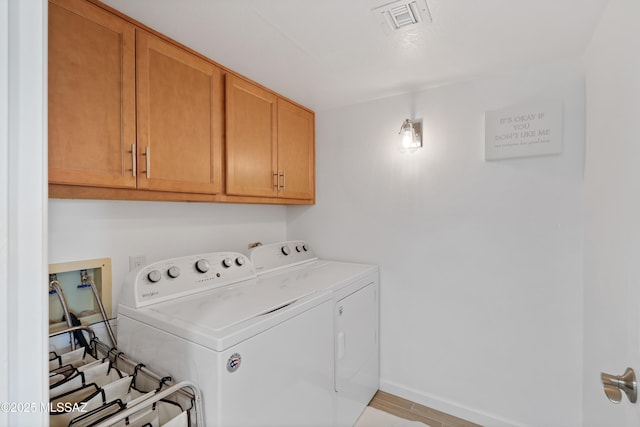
614,385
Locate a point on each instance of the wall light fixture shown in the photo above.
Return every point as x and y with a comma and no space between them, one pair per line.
411,134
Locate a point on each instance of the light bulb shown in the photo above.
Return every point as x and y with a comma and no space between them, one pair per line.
407,138
410,141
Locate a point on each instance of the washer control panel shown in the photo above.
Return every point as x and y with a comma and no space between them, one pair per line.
176,277
266,258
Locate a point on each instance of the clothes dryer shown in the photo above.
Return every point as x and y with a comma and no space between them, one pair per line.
354,290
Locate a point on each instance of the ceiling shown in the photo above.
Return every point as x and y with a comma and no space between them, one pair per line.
330,53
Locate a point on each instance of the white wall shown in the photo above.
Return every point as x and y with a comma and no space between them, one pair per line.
481,300
87,229
23,208
612,225
4,207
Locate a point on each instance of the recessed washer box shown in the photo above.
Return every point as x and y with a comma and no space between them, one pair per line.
78,293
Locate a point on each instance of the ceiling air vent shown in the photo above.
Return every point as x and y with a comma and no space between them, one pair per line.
402,14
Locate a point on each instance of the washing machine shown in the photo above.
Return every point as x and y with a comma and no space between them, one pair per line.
354,294
261,351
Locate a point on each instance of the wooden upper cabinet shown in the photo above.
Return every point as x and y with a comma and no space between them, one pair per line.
296,151
91,96
270,144
251,139
180,100
133,115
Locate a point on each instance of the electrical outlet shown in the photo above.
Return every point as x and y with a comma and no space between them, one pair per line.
137,261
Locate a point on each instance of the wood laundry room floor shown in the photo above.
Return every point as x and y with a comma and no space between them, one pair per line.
412,411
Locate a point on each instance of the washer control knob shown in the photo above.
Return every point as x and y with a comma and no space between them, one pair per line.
285,250
240,261
154,276
298,248
227,262
173,272
305,248
202,265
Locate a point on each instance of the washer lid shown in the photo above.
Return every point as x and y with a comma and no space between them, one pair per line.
222,318
222,309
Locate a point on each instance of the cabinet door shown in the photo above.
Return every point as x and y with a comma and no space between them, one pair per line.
250,139
179,119
296,151
91,96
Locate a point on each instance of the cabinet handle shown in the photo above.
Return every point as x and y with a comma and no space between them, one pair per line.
133,159
284,182
147,154
276,180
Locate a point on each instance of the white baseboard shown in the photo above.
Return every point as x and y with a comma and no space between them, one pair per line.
450,407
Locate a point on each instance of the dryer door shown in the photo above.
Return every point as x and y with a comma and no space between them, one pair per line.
356,341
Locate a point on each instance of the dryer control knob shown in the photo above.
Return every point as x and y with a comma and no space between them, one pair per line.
154,276
240,261
305,248
298,248
227,262
285,250
173,272
202,265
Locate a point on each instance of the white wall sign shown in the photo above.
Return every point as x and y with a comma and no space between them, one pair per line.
532,129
